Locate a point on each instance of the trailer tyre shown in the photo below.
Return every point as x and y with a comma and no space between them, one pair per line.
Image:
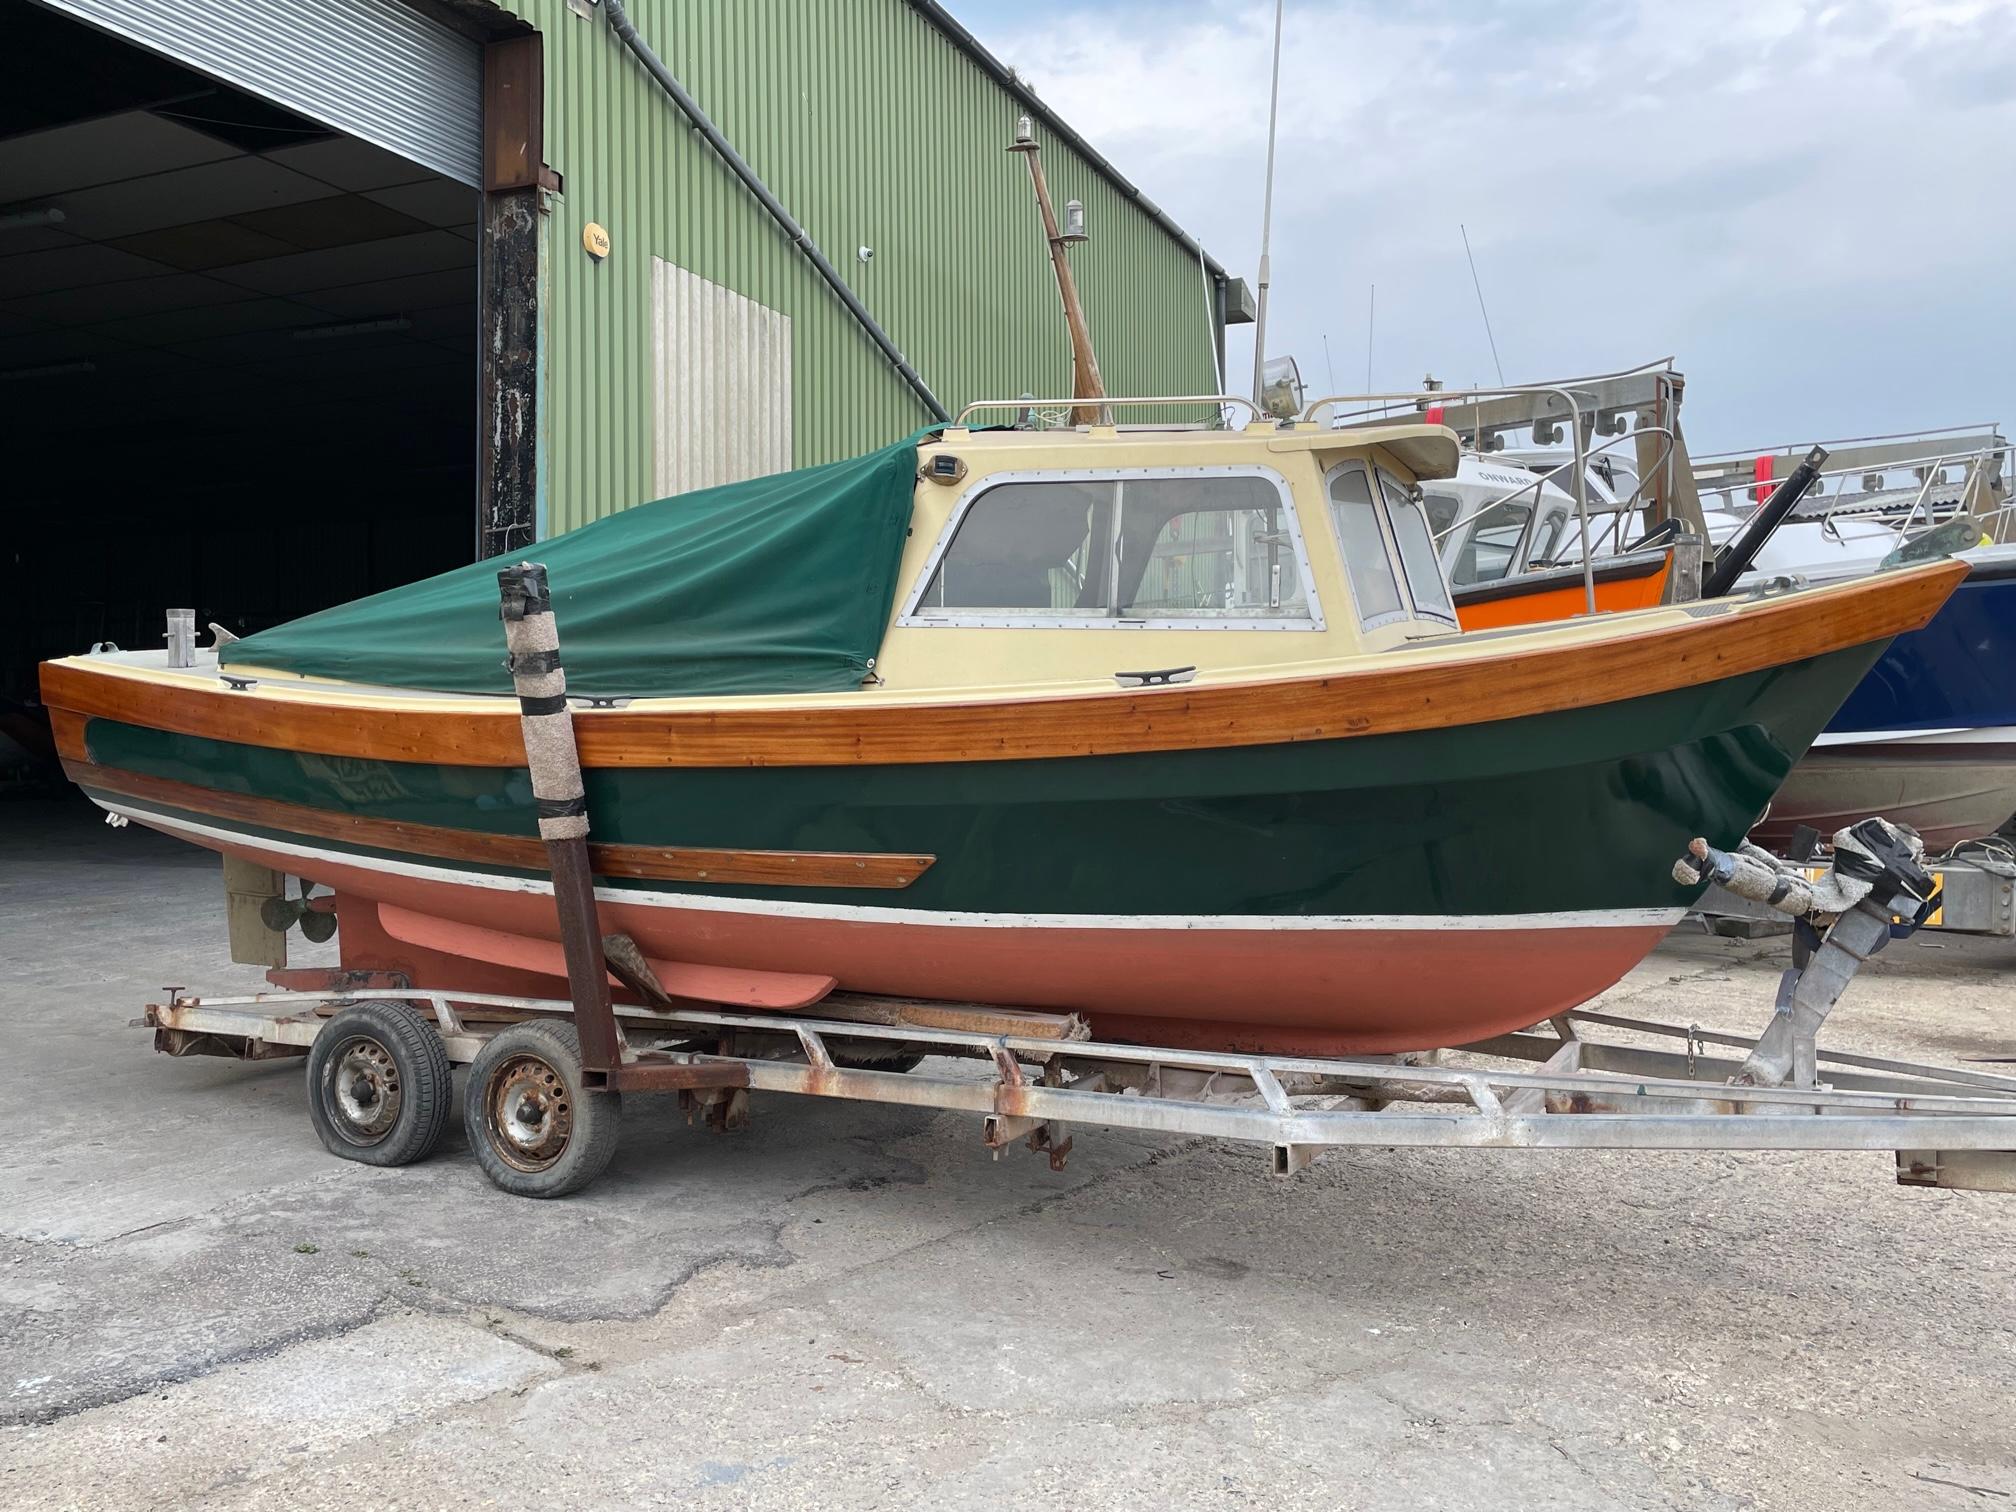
536,1130
379,1085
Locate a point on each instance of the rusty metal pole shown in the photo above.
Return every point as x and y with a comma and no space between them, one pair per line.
1086,382
533,639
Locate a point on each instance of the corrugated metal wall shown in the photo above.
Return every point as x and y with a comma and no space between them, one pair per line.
875,131
375,68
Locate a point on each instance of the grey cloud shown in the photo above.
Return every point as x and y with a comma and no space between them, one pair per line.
1803,202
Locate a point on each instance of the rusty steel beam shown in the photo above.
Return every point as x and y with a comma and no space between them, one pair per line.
970,1018
649,1075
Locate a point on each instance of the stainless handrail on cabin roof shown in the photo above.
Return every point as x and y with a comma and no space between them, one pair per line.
1617,507
1720,476
1930,470
1936,473
1216,401
1429,398
1924,452
1707,460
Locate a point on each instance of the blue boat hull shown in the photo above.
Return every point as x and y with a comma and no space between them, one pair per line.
1958,673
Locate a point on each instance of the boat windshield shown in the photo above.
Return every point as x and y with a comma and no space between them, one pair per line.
1372,531
1488,547
1417,550
1442,510
1142,548
1366,559
1547,545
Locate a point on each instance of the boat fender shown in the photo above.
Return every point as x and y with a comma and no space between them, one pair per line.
1873,859
1890,857
532,663
533,641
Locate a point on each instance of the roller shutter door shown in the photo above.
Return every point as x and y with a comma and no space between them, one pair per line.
372,68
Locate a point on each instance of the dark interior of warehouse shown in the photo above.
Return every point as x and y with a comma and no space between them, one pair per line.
237,358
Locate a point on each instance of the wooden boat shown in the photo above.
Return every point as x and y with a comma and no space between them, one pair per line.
1174,728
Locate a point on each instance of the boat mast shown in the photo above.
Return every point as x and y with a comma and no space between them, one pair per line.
1085,380
1267,224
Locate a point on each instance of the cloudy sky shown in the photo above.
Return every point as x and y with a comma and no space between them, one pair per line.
1812,206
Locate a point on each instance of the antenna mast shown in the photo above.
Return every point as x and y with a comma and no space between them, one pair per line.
1480,303
1267,224
1371,320
1085,380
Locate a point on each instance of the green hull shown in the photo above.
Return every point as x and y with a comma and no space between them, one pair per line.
1582,810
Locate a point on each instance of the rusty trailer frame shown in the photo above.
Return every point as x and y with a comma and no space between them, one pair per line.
1570,1084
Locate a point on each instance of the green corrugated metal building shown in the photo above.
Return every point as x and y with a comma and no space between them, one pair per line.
879,125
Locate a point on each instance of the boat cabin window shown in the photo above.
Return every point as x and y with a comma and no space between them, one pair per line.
1366,560
1372,532
1487,548
1417,550
1443,508
1130,546
1547,539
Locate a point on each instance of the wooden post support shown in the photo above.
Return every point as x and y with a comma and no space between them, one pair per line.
533,639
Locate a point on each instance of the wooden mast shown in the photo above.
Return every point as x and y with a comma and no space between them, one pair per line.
1086,382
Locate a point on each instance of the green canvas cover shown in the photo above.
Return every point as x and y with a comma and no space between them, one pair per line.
778,585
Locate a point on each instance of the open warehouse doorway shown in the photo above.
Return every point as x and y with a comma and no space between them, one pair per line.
238,344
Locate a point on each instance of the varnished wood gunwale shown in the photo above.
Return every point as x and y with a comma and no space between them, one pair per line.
67,726
1390,698
656,863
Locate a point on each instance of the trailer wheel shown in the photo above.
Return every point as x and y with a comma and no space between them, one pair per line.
379,1085
536,1130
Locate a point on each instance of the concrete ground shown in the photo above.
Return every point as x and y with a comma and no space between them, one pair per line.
848,1306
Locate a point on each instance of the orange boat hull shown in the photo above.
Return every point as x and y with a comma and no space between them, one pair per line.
1633,582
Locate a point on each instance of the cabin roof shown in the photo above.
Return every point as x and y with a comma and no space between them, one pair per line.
1428,451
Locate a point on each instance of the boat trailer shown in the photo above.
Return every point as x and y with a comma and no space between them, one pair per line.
543,1098
541,1109
542,1104
1585,1081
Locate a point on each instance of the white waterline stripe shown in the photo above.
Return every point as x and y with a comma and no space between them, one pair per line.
1606,918
1958,735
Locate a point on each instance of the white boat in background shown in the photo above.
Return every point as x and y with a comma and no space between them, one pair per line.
1511,542
1928,738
